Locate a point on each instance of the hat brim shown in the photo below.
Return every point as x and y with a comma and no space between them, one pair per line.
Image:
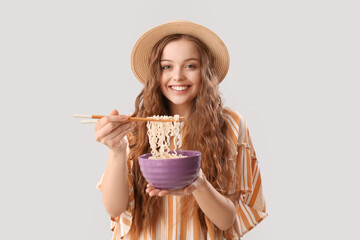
143,47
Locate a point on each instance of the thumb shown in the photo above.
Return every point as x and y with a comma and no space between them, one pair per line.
114,112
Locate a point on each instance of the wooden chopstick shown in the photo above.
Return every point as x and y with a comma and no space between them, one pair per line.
138,119
131,119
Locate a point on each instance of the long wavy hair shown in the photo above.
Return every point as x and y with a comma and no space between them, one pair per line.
212,141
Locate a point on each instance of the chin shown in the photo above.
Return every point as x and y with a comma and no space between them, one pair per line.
178,103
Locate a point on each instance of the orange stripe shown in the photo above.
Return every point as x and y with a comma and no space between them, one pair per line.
145,234
248,168
236,228
233,137
228,234
243,217
264,207
183,228
243,169
231,121
113,225
127,222
246,171
196,226
177,217
246,135
232,132
255,213
255,192
233,115
238,168
249,213
254,166
211,229
115,233
131,197
153,232
130,181
170,217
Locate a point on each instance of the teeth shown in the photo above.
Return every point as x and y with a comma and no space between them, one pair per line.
178,88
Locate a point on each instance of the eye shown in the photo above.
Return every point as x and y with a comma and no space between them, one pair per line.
191,66
166,67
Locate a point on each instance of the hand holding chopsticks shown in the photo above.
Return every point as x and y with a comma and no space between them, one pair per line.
94,119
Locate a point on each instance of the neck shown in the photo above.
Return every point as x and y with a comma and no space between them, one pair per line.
182,110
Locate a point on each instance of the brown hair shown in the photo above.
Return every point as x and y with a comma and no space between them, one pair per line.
212,141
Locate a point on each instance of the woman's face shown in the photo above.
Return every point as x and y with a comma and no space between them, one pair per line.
180,73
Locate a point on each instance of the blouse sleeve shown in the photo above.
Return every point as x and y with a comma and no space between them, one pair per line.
121,224
251,207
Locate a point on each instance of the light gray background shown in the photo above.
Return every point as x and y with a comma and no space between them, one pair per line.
294,76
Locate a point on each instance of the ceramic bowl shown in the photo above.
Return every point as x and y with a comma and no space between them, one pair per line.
172,173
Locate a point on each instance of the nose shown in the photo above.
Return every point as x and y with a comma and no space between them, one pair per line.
178,74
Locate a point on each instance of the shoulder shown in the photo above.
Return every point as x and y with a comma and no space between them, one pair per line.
237,124
235,118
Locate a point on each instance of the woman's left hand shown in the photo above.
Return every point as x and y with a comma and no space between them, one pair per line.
200,179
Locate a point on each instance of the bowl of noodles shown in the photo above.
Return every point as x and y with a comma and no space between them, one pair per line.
162,168
177,171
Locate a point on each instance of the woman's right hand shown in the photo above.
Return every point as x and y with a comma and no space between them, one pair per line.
111,131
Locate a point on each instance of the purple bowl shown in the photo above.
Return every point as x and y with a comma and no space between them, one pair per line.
172,173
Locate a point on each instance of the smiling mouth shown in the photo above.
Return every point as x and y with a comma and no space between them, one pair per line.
179,88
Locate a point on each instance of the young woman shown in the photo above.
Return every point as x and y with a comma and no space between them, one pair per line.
181,64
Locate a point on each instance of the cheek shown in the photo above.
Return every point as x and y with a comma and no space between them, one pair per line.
162,85
198,80
163,79
162,89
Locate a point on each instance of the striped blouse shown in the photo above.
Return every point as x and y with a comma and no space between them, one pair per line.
251,209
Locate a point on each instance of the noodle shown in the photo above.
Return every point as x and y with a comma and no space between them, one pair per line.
160,134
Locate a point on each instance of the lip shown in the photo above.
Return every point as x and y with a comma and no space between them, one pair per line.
179,91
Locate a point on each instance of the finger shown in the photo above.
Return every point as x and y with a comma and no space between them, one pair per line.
105,120
114,112
119,132
189,189
154,192
115,116
121,135
103,131
179,192
163,193
109,130
112,119
192,187
149,188
123,129
195,185
102,122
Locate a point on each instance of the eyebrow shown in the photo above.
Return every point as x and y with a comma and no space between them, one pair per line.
189,59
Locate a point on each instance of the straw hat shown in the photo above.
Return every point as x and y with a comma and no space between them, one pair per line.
142,48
